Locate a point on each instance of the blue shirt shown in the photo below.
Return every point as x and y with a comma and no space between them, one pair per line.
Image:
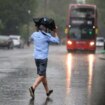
41,42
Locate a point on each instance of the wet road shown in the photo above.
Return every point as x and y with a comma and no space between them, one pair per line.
77,79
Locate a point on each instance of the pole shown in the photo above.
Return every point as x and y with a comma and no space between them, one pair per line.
45,7
28,28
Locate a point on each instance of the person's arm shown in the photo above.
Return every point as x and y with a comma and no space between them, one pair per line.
54,32
31,38
53,37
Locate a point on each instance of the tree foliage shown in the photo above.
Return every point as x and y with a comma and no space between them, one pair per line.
13,14
101,14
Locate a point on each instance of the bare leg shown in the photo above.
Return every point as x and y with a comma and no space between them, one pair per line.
48,92
37,81
45,84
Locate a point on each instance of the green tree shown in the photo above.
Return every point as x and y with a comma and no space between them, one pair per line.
14,14
101,14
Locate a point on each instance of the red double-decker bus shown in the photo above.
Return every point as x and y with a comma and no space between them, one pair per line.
81,27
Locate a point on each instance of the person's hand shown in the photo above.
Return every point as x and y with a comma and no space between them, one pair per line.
54,33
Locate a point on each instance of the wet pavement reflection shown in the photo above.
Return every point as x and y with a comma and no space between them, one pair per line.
91,61
46,102
31,102
68,72
77,79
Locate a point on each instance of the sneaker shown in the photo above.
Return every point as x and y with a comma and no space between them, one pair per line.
31,90
49,93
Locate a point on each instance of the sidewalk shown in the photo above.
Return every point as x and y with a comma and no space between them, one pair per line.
102,52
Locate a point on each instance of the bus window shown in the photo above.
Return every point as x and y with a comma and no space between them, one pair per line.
77,33
82,12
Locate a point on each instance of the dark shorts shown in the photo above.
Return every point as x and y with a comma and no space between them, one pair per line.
41,65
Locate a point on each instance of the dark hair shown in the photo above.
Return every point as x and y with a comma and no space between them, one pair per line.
37,21
51,24
47,22
44,22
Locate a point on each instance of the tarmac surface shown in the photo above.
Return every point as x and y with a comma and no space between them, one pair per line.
77,79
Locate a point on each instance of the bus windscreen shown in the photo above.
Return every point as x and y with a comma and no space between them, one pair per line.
84,33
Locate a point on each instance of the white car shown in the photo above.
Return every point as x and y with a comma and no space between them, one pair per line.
100,41
17,41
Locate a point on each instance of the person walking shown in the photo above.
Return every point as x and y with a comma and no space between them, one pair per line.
41,39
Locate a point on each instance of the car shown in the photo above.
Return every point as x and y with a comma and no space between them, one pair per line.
100,41
6,42
17,41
